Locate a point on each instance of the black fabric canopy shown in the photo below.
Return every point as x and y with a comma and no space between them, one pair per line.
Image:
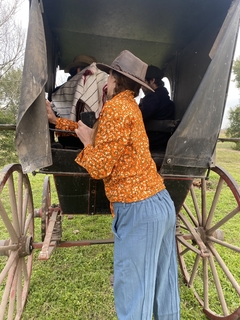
32,133
194,141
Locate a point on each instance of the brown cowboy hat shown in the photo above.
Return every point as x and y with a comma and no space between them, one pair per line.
80,61
130,66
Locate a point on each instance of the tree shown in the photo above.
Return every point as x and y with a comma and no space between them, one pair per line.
236,71
234,130
12,41
12,36
10,85
234,114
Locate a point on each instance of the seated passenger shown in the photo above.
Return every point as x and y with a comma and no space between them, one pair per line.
79,63
84,91
156,106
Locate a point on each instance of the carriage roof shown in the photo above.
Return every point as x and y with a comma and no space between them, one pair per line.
153,30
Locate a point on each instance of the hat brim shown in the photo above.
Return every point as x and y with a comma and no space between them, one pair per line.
75,65
106,68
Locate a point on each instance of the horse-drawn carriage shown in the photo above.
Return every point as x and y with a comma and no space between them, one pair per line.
194,42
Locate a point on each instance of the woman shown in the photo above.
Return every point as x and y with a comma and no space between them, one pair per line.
145,266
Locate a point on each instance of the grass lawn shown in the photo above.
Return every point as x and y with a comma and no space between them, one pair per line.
74,282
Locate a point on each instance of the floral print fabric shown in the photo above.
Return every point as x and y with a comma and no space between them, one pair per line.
66,124
121,155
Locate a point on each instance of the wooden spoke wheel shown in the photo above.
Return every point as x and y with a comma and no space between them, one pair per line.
208,241
46,203
16,238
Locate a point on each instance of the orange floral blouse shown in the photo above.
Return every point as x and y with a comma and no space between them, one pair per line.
121,155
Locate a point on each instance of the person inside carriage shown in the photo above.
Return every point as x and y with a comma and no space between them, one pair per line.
84,91
156,105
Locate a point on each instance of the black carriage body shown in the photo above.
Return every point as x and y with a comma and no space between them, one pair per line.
77,192
193,41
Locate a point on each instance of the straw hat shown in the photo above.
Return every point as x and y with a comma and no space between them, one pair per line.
130,66
80,61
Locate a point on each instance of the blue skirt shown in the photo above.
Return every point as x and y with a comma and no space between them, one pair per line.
145,261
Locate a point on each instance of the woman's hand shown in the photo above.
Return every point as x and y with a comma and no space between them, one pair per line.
84,133
50,114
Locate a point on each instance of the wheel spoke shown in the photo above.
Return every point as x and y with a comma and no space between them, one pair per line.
195,203
8,224
11,261
13,203
12,247
20,201
205,283
19,287
12,297
204,205
218,287
214,203
225,269
28,223
188,245
24,270
25,208
194,269
223,221
7,290
225,244
191,216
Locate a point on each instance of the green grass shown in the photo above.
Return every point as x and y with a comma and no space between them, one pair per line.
74,282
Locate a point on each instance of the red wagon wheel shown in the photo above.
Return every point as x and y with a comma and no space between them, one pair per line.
16,251
208,241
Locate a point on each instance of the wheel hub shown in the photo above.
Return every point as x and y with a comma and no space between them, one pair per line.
26,246
202,232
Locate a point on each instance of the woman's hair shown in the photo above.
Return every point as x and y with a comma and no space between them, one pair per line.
124,83
158,81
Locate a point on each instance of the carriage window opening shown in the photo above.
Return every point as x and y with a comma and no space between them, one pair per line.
232,100
61,77
141,95
167,85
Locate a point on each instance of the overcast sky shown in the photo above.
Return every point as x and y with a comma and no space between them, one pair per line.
233,98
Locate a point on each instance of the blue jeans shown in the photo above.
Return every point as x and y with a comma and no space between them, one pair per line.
145,262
